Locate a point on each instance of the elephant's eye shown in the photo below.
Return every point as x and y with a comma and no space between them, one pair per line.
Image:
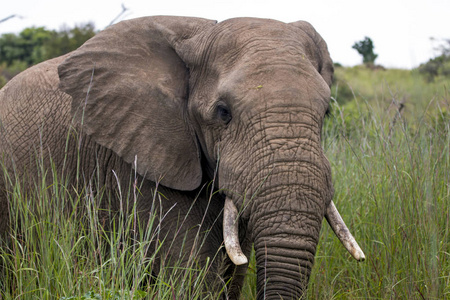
224,114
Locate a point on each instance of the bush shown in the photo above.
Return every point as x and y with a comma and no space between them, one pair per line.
8,72
438,66
2,81
340,90
36,44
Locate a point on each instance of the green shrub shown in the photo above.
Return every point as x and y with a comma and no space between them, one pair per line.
340,90
2,81
8,72
438,66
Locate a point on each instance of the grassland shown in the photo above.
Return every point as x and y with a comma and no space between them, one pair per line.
388,140
388,143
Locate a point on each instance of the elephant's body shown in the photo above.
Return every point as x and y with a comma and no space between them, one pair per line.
177,103
54,141
19,144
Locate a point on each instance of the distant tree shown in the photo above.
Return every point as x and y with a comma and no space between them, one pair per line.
68,39
439,65
365,48
36,44
25,47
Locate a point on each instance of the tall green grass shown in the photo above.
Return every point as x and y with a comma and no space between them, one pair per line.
61,247
391,174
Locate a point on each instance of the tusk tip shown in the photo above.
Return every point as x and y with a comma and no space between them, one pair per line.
359,256
239,260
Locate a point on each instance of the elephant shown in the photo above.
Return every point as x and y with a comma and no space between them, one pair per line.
185,103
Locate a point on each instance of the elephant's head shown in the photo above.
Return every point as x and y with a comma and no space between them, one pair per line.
246,97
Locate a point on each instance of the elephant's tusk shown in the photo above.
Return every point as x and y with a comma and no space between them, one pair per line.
340,229
230,233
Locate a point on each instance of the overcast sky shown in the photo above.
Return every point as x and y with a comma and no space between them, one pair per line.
400,30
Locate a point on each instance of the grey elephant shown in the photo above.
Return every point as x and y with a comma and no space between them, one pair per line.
184,102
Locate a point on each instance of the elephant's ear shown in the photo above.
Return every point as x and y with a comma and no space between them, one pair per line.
318,51
130,90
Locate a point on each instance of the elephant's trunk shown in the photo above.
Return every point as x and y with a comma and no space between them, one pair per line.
285,223
285,245
283,268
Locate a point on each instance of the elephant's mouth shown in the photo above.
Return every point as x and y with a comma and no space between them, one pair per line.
233,247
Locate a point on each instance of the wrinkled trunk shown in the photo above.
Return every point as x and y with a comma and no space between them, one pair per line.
283,269
285,239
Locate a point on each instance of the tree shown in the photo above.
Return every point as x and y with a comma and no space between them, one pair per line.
25,47
440,65
68,39
36,44
365,48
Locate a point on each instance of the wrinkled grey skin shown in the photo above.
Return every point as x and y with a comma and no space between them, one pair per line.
184,96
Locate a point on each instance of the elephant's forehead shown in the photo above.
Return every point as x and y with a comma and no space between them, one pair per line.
273,74
289,87
245,28
247,37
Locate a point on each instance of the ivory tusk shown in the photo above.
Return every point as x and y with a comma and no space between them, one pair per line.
340,229
230,233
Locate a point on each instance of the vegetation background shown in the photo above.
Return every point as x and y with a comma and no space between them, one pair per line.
36,44
388,140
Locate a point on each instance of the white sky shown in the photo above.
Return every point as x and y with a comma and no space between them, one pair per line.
400,29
